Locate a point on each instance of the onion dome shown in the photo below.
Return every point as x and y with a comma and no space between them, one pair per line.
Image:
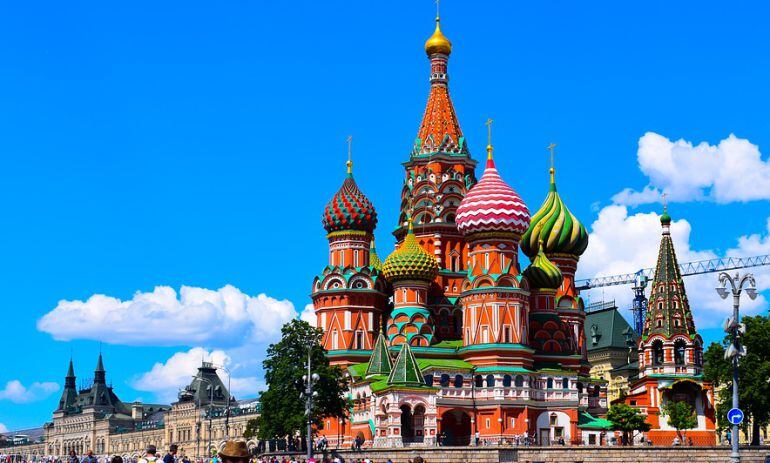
410,261
438,43
560,231
542,273
349,209
492,205
374,259
665,219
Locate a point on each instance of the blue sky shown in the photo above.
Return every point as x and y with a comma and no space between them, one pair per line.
196,143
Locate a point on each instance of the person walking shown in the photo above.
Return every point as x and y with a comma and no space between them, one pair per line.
73,457
89,458
150,455
235,452
171,455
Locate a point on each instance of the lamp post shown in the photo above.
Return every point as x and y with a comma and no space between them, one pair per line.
229,397
733,326
211,402
309,379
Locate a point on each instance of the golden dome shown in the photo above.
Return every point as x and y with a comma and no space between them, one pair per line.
438,43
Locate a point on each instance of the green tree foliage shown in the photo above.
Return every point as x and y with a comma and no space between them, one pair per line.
252,429
283,411
681,416
627,419
753,372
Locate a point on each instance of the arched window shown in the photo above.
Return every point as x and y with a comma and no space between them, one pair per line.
478,381
444,380
490,381
549,383
679,347
458,381
519,382
506,380
657,352
565,383
428,380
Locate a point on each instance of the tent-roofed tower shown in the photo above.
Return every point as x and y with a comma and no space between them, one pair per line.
69,395
439,172
670,353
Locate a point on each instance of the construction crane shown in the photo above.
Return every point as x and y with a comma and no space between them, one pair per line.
640,279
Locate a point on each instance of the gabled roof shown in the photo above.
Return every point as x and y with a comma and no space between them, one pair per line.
608,329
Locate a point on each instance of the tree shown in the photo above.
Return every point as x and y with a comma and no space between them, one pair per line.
753,371
252,429
681,416
283,411
627,419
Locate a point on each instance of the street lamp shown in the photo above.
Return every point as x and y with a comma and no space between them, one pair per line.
211,403
229,397
309,380
733,326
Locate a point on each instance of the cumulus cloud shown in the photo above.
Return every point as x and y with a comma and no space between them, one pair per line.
309,315
623,243
732,170
17,393
194,316
165,379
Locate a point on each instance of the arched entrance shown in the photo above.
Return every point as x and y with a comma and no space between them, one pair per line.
407,424
455,428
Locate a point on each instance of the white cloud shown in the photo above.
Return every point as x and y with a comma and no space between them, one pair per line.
3,428
194,316
166,379
732,170
17,393
623,243
309,315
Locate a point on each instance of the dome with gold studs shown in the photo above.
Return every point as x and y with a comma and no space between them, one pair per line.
410,261
438,43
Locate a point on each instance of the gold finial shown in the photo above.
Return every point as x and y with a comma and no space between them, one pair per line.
552,149
489,138
350,152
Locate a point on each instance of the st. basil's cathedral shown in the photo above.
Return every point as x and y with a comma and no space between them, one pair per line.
447,340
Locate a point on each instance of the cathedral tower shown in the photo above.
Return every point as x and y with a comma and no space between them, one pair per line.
349,295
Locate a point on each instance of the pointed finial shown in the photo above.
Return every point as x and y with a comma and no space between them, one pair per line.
665,203
665,219
489,138
350,154
438,2
552,149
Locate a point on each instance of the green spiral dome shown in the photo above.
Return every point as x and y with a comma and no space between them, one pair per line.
560,231
410,261
542,273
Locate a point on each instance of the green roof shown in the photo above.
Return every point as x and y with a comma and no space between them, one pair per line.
405,370
607,329
379,362
449,364
502,369
449,344
587,421
358,370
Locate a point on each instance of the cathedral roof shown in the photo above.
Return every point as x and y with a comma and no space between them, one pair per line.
560,231
410,261
668,309
349,209
542,273
405,370
380,362
492,205
374,259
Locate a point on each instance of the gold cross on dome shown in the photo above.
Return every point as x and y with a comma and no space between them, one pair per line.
350,153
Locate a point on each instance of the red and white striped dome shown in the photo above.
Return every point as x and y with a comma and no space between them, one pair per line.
492,205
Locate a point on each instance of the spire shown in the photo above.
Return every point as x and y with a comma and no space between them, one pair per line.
374,259
439,131
668,310
69,394
380,362
350,159
552,170
405,370
490,160
71,370
99,372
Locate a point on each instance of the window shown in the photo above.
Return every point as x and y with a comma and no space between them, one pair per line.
487,423
348,320
519,381
502,262
549,383
679,347
659,322
677,322
552,419
359,340
657,353
484,334
506,333
478,381
486,260
444,380
428,380
458,381
490,381
355,258
565,383
506,380
335,340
